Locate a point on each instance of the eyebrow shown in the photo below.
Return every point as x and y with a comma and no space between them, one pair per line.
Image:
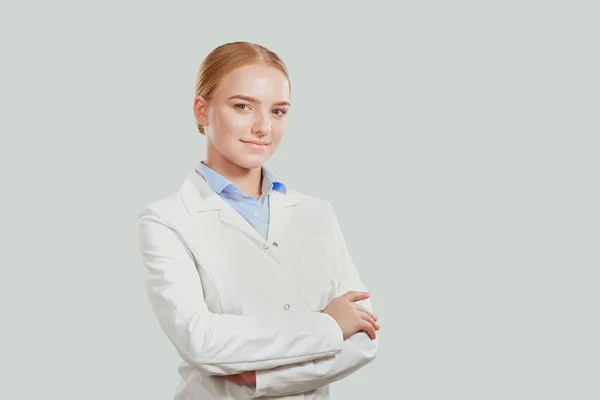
257,101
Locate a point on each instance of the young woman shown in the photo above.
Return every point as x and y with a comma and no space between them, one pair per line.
250,280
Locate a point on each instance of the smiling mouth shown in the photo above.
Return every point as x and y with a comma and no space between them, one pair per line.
258,145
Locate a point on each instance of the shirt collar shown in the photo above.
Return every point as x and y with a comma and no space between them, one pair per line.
220,184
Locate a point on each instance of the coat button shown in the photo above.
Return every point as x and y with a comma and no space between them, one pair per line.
286,307
265,246
275,244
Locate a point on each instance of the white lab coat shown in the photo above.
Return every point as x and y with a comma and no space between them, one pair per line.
230,301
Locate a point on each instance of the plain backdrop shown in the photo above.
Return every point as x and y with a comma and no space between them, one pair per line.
458,142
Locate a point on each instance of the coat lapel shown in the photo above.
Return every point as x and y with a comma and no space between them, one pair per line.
279,218
231,218
199,197
281,235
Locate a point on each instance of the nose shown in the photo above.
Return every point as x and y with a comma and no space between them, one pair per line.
262,124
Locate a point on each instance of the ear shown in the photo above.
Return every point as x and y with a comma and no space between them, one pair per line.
201,110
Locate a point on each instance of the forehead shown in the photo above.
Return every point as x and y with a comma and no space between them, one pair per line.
257,81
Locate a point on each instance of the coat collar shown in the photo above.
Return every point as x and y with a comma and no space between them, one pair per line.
221,185
197,195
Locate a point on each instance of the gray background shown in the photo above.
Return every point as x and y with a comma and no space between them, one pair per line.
458,142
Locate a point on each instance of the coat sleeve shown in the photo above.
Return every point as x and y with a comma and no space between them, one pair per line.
356,352
221,344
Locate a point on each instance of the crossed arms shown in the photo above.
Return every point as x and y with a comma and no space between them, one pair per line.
296,352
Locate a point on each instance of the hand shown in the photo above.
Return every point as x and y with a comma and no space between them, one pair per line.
245,378
352,317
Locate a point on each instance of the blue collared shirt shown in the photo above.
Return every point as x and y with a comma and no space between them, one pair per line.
255,211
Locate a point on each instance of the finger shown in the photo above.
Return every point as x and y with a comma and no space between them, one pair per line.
368,328
363,309
233,378
367,318
354,295
249,377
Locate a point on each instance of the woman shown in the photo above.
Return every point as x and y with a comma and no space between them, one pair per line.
251,281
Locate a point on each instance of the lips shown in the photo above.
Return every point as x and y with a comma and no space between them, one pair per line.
255,142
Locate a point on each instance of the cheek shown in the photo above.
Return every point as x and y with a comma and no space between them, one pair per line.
228,121
278,131
236,121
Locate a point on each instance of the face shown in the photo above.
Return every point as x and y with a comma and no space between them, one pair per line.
246,119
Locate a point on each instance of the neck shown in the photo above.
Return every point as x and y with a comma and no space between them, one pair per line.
248,180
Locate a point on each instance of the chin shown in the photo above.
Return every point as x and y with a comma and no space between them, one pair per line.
250,162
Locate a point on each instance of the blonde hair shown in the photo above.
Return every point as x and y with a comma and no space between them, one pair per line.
228,57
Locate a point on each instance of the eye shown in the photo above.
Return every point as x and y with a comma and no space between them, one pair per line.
279,112
241,106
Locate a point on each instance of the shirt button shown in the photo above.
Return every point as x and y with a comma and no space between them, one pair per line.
265,246
286,307
275,244
256,213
